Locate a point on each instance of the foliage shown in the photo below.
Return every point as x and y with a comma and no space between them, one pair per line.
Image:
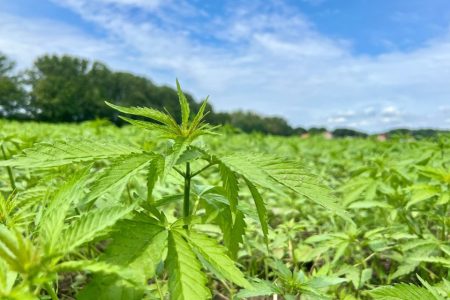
12,95
167,208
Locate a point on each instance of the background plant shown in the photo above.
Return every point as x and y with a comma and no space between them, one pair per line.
167,240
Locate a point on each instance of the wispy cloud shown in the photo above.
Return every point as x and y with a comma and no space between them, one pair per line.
267,58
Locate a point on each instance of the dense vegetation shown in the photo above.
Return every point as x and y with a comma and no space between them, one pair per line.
168,208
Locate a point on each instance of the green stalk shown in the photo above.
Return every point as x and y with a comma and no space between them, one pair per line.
8,168
187,192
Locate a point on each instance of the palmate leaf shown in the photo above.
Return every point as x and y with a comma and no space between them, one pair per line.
119,173
89,225
216,258
47,155
186,279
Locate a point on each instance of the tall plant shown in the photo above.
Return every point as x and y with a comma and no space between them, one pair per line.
155,238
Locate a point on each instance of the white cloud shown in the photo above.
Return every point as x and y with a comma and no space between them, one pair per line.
270,60
147,4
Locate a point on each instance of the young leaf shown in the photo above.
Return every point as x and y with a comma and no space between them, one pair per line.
147,112
185,111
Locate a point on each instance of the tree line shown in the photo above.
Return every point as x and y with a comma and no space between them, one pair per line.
71,89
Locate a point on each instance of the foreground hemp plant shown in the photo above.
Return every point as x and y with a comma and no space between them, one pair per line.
151,241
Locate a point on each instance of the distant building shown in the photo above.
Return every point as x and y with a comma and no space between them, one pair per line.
382,137
328,135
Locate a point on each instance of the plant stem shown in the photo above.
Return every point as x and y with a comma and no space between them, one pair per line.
51,291
187,192
8,168
179,171
202,169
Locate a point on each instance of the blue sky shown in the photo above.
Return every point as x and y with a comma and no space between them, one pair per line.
364,64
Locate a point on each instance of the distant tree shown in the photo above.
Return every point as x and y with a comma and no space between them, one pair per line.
299,131
252,122
61,89
66,88
315,130
12,94
345,132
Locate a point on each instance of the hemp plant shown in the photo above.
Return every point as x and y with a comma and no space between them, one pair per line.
152,241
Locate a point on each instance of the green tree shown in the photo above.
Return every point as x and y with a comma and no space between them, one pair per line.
61,88
12,94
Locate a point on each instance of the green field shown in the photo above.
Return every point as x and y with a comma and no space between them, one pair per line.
92,211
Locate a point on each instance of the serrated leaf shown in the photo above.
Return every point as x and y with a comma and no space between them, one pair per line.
421,193
230,185
137,246
401,291
186,279
147,112
52,222
215,256
119,173
261,209
163,130
270,172
155,170
47,155
325,281
88,265
368,204
89,225
184,104
431,289
432,259
262,288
